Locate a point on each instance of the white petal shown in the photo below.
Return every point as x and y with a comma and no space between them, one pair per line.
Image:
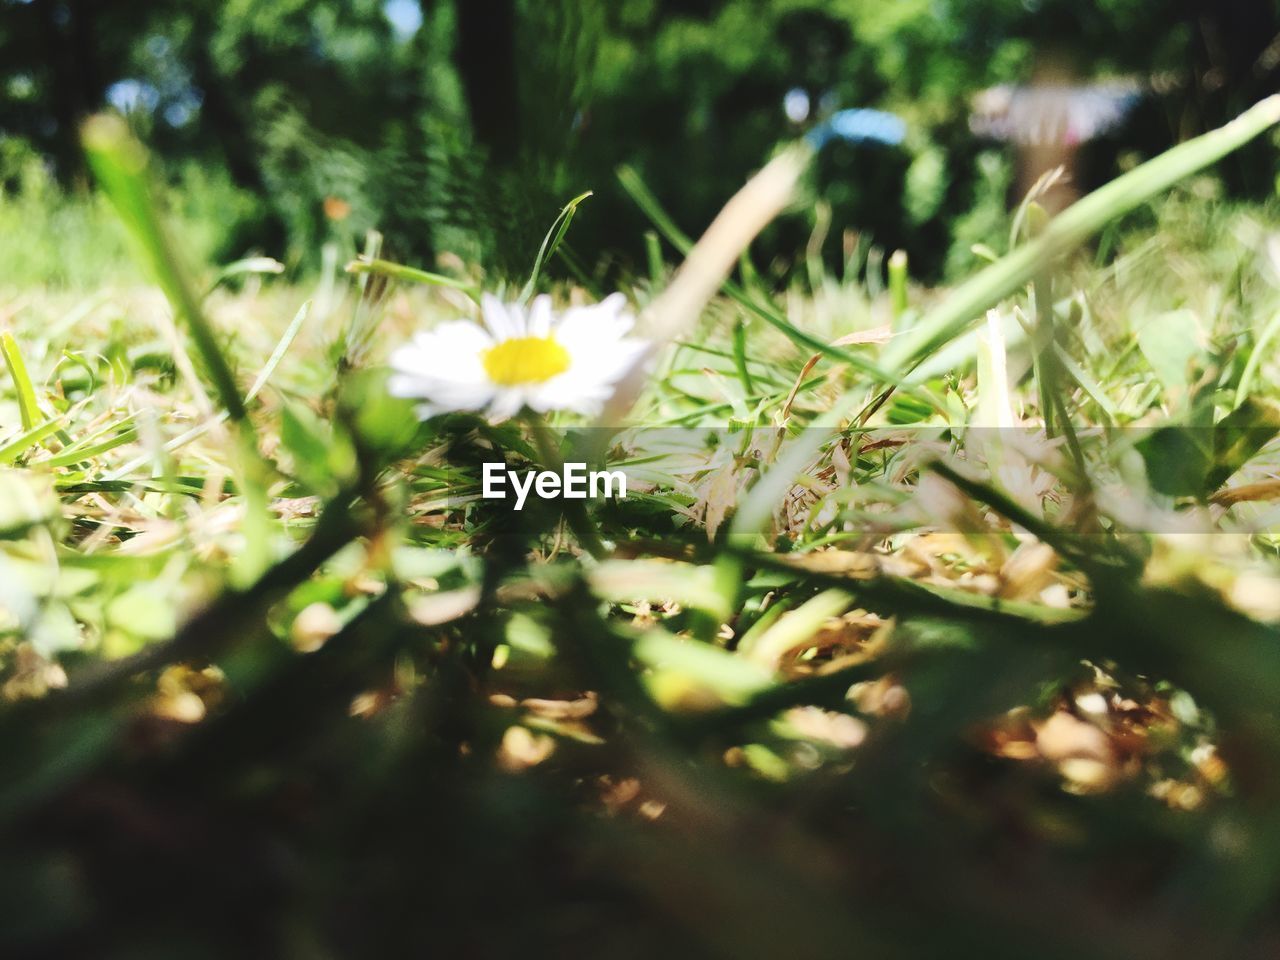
443,367
507,403
607,361
451,350
603,321
615,304
568,393
469,396
441,395
506,321
540,317
461,336
401,385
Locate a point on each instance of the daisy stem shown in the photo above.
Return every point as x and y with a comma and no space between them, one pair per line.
576,513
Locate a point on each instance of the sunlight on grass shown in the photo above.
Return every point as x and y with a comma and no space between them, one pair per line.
1046,556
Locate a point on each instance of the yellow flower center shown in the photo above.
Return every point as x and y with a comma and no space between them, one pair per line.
525,360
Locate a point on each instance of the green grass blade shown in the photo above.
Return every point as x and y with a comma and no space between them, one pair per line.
795,627
653,256
1071,228
733,679
756,508
1088,384
27,407
1251,366
639,192
358,333
652,209
740,357
258,265
559,227
898,298
398,271
200,429
282,347
624,581
80,454
120,164
20,444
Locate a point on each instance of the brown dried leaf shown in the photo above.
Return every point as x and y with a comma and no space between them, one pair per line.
313,625
577,709
1028,571
1066,737
522,748
437,608
829,726
720,494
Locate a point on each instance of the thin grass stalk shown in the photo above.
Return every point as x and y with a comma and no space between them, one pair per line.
120,164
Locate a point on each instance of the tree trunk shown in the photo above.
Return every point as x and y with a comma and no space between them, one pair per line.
486,55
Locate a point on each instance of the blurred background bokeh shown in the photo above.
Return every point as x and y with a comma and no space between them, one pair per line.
461,126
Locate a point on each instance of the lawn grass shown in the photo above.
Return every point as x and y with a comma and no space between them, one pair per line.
985,663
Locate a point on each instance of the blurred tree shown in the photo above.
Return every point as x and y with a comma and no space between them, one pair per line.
464,124
57,59
486,52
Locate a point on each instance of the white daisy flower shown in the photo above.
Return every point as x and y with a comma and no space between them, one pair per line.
519,357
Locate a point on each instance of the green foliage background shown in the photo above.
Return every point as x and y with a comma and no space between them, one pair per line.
467,133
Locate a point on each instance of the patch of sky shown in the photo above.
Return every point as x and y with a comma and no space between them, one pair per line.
132,95
405,17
